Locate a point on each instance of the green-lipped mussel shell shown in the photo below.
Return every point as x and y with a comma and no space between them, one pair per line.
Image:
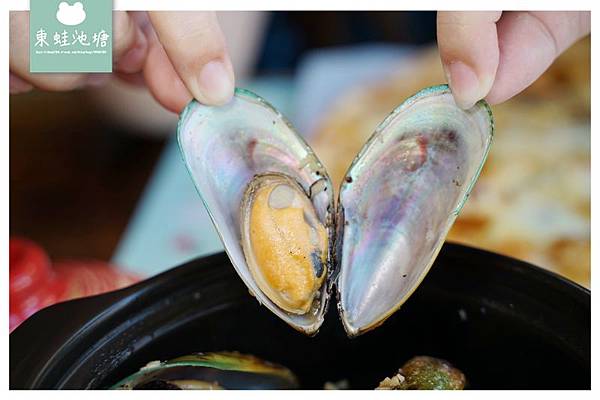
399,199
224,149
223,370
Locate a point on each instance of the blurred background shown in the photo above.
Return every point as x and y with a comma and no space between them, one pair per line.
96,175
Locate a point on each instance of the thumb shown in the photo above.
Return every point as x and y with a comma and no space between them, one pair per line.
196,47
468,44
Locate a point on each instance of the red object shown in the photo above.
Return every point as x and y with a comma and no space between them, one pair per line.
36,283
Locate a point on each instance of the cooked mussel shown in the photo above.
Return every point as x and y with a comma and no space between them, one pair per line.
272,204
223,370
284,242
269,198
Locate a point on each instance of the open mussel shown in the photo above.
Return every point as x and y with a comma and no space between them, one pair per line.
223,370
272,204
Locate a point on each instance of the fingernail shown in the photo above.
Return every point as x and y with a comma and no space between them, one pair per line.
133,60
96,80
215,83
464,83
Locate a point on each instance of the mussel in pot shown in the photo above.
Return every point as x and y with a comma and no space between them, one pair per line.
425,373
223,370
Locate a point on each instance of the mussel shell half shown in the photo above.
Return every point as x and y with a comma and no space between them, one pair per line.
224,149
400,197
223,370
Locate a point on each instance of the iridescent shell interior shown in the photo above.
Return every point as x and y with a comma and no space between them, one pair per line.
400,197
224,148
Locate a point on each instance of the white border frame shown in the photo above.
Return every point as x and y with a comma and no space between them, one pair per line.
289,5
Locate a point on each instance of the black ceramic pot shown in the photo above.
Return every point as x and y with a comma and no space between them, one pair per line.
504,323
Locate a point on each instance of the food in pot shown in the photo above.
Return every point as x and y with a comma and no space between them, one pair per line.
221,370
425,373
